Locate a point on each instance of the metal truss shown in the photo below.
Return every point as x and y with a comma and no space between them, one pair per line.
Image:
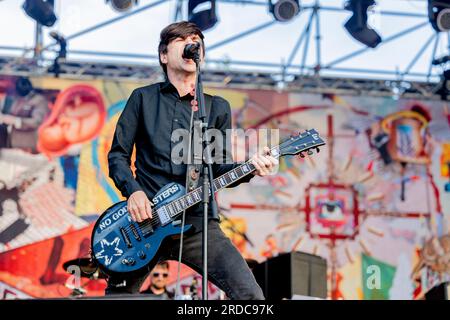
281,75
228,79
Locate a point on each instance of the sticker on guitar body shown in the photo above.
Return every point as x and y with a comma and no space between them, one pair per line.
114,245
116,216
165,194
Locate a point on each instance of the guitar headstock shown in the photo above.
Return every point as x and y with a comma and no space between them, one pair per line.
302,142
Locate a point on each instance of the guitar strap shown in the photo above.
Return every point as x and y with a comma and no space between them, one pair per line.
195,163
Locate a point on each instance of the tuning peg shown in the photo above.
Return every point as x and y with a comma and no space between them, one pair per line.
317,150
302,155
309,152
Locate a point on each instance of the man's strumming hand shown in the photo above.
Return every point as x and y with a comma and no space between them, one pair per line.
139,207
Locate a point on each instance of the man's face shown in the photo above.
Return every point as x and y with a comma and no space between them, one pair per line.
159,277
174,56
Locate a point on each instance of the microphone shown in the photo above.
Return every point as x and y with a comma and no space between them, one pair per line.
192,51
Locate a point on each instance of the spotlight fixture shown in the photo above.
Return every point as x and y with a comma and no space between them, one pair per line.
41,11
439,14
202,13
284,10
122,5
357,24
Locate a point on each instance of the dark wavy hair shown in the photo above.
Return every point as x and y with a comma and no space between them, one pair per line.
163,264
176,30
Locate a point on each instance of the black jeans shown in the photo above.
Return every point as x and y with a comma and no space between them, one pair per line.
226,267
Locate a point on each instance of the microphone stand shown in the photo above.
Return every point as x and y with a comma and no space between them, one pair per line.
207,174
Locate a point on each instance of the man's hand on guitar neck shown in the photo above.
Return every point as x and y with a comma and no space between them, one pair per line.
139,207
264,163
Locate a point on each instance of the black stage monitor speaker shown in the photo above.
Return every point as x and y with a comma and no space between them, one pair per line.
440,292
290,274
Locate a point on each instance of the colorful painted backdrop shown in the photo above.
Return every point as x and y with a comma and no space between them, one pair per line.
374,202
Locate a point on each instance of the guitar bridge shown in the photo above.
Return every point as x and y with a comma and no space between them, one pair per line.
147,230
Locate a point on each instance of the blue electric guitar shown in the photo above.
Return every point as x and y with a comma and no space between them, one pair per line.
120,245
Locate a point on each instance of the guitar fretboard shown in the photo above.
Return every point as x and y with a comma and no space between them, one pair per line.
177,206
293,146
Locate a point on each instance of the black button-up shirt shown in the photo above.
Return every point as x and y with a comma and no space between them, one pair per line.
150,116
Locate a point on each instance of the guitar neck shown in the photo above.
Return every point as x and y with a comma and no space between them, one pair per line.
190,199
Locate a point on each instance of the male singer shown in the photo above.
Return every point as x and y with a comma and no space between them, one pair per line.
150,116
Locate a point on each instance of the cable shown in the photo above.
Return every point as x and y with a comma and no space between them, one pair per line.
180,252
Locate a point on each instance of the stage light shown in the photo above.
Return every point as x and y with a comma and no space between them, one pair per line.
122,5
202,13
357,24
284,10
41,11
439,14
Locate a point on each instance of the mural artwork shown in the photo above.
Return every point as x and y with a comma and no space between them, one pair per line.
375,198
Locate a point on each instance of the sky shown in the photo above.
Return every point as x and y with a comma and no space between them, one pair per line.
139,34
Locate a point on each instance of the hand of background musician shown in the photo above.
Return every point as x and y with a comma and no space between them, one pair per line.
139,207
264,163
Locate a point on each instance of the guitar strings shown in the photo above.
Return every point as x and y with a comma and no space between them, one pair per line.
155,221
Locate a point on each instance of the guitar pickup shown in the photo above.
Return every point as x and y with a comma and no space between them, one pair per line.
135,232
147,230
125,237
